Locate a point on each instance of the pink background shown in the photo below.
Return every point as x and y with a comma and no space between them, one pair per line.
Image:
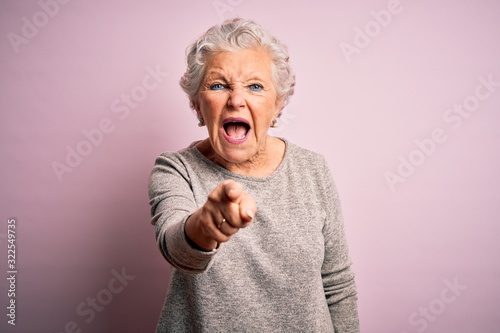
438,225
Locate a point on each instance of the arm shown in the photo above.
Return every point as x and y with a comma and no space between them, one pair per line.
338,278
189,236
172,202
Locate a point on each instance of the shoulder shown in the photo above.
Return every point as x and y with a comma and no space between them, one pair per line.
178,159
306,167
309,171
298,150
305,158
172,170
174,164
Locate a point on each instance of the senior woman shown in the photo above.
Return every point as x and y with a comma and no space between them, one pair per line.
251,223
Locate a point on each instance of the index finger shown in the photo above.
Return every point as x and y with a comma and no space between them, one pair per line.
233,191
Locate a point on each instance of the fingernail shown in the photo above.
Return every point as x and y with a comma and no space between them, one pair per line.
250,213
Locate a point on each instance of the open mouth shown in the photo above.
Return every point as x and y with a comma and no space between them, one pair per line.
236,129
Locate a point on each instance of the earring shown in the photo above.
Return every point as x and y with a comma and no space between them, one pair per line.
201,122
274,124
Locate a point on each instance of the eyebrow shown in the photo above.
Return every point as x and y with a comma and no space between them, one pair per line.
214,72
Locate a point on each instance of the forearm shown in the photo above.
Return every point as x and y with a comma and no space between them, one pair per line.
179,253
341,296
344,315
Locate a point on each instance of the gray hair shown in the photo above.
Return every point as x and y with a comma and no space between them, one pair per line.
232,35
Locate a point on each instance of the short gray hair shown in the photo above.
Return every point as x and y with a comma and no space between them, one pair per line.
232,35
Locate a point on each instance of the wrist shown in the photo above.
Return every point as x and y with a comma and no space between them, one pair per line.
193,239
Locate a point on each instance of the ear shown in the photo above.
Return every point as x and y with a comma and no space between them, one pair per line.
195,105
279,108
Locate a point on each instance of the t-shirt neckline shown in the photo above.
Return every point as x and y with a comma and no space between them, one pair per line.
192,148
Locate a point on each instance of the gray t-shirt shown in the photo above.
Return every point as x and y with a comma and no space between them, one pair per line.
289,271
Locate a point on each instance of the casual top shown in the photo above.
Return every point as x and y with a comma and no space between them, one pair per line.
288,271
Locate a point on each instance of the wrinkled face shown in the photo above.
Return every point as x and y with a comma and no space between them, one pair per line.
238,102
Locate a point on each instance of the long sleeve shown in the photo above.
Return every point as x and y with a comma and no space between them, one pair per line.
172,201
338,278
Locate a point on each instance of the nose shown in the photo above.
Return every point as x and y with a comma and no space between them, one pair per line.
236,99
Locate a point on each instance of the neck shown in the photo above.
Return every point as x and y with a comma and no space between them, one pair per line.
262,164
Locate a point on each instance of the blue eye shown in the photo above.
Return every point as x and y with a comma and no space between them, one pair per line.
217,86
255,87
